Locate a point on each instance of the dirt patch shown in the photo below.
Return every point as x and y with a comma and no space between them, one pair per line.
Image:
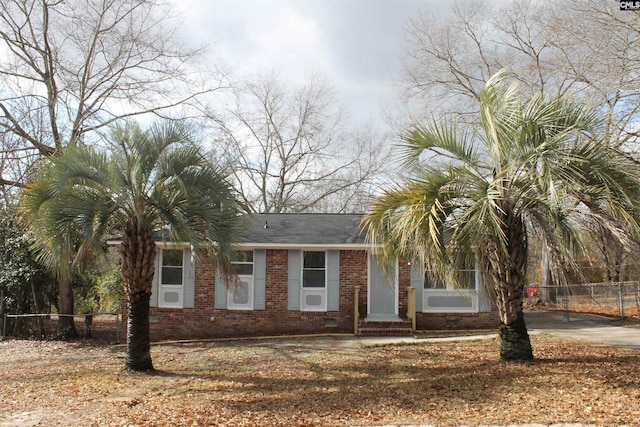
319,382
24,419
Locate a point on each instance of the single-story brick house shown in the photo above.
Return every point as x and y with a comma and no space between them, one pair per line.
298,273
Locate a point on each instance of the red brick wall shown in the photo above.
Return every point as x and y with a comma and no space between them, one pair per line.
404,283
353,272
470,321
204,321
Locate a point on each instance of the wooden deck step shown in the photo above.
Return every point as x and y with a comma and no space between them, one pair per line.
372,329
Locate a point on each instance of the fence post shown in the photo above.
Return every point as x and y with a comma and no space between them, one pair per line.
4,325
356,312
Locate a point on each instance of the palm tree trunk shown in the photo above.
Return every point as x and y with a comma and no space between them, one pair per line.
138,338
508,274
137,252
515,343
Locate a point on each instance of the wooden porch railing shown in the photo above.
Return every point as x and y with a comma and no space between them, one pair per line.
356,312
411,307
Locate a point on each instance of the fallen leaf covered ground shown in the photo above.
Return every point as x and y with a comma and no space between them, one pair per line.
329,381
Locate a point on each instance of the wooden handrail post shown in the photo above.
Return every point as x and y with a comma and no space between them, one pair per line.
411,307
356,312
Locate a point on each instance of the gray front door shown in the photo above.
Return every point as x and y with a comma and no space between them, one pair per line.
383,291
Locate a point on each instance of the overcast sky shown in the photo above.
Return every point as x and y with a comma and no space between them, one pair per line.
355,44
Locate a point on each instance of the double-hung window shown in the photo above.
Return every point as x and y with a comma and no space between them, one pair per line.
431,281
467,280
240,290
171,278
441,297
314,281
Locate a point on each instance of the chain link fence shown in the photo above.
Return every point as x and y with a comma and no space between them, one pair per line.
615,299
100,327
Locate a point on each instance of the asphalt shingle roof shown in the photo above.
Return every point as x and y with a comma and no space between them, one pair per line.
330,229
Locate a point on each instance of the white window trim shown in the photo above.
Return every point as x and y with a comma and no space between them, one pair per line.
448,292
162,288
450,287
250,278
305,291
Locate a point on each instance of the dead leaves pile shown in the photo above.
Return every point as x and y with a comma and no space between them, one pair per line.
327,381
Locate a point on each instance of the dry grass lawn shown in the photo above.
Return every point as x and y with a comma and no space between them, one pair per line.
318,382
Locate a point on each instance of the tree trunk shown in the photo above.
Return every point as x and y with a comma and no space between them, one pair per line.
137,252
138,338
66,325
507,272
36,308
515,344
2,319
19,309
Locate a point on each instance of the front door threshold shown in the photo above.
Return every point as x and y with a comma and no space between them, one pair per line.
382,318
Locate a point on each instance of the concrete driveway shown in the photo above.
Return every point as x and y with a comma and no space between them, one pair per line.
596,329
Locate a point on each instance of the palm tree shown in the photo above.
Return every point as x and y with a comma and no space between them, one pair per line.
537,168
157,179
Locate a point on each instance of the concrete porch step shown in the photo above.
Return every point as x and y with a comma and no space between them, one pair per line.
381,328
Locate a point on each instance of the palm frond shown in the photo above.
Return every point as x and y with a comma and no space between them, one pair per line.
149,179
539,166
442,143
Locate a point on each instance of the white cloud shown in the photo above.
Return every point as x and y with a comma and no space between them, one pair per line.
291,33
355,44
289,42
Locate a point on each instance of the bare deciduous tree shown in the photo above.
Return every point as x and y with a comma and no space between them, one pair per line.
289,149
69,68
590,50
